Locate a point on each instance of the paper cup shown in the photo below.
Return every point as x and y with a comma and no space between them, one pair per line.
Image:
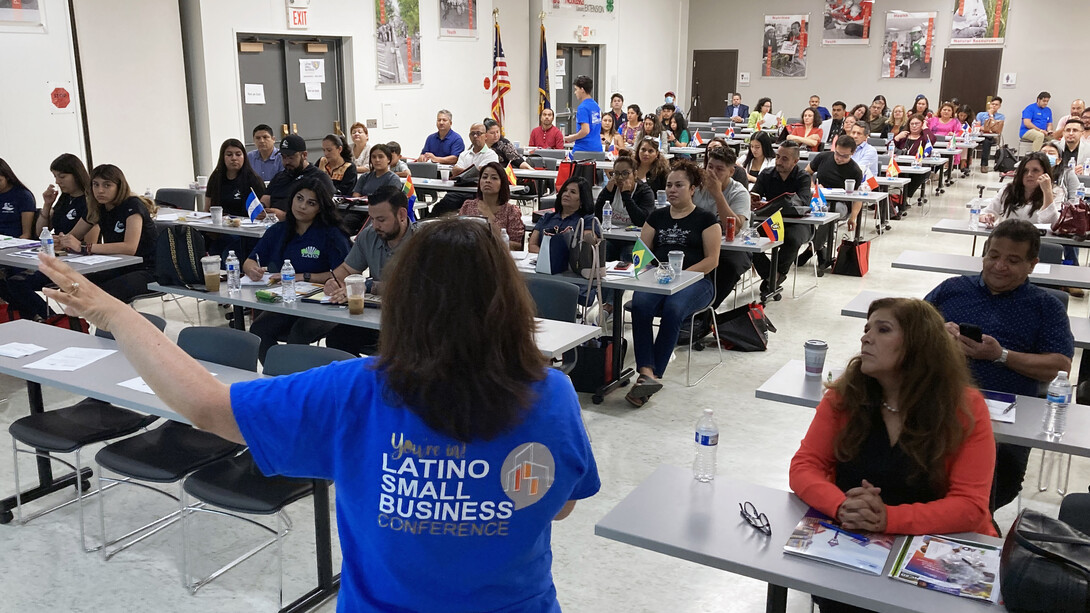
677,261
815,351
217,215
444,174
211,266
202,181
355,287
849,185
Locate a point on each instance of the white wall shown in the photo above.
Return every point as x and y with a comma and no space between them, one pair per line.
1041,36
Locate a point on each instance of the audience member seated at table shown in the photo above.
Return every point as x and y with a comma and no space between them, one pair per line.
737,112
469,164
678,134
875,118
808,132
1026,332
665,113
649,128
17,207
991,122
1066,191
65,203
902,442
1028,196
910,142
1036,122
588,117
631,128
834,126
231,180
762,118
311,238
265,160
397,165
1077,107
653,167
739,174
879,103
784,177
293,151
546,135
964,117
611,138
380,176
921,107
897,122
336,162
505,150
945,124
865,155
1072,144
445,145
682,226
815,103
845,128
388,231
422,387
830,169
759,155
725,198
493,202
636,202
859,111
616,109
575,202
361,153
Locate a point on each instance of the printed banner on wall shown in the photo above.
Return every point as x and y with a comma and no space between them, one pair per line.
847,22
979,22
601,8
457,18
907,50
783,52
397,40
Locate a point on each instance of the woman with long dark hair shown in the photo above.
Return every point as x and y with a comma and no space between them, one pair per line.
651,166
761,116
232,179
336,161
631,128
574,202
65,202
311,238
807,133
1028,196
17,208
360,423
493,202
759,155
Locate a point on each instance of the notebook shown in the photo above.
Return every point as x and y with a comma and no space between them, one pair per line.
820,538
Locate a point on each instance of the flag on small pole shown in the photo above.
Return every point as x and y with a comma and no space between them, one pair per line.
501,80
892,169
510,172
771,227
928,150
543,76
697,139
410,193
254,207
642,257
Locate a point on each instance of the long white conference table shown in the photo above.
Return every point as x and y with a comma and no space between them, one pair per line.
950,263
673,514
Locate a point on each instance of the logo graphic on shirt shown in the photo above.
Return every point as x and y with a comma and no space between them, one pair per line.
71,215
527,474
310,252
119,227
8,208
238,195
675,235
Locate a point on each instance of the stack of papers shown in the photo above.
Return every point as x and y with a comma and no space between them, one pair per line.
628,271
72,358
819,537
11,242
302,288
87,260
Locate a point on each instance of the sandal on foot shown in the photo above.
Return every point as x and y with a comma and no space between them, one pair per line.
644,387
634,401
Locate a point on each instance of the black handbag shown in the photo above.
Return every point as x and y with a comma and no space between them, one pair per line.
1045,566
744,328
178,254
852,258
789,205
594,364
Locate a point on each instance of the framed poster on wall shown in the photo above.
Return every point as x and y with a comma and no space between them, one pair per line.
457,18
847,22
783,49
21,16
397,41
979,22
907,48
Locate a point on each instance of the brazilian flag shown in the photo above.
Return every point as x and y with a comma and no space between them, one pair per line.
642,258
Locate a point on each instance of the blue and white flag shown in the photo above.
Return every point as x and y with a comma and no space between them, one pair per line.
253,206
570,156
928,150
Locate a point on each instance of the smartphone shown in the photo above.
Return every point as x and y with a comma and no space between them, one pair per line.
624,266
970,331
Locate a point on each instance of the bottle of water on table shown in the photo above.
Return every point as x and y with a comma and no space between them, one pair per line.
287,282
607,216
47,242
505,238
707,440
1059,396
974,214
234,278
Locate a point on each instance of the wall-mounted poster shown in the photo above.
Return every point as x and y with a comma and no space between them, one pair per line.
847,22
906,52
979,22
397,39
783,51
457,18
21,16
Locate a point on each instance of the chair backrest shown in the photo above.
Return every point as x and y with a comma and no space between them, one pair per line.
597,156
883,160
1085,180
550,163
180,198
155,319
423,170
1051,253
557,154
802,164
1060,295
1075,511
227,346
288,359
555,299
877,142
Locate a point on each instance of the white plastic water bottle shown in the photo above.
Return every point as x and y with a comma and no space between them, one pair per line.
974,214
1080,191
47,242
287,283
1071,164
234,278
607,216
1059,396
149,195
505,238
707,440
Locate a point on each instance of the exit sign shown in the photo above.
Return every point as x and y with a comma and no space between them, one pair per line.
297,18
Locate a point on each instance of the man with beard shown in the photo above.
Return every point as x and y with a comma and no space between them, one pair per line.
293,152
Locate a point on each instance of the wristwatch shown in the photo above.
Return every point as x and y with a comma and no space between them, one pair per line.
306,277
1002,359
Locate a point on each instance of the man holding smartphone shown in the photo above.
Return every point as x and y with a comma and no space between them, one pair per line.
1024,332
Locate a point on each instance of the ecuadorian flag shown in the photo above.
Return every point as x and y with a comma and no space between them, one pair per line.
410,193
772,227
641,257
254,207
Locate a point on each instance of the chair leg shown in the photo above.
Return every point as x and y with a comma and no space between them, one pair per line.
1062,491
689,361
18,488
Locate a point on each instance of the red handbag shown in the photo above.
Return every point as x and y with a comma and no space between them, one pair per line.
79,324
1074,221
852,258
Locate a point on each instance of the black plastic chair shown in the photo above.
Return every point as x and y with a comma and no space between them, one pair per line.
181,198
69,430
557,300
423,170
174,450
237,485
1075,511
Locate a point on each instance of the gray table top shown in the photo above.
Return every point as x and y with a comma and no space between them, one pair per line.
121,261
811,220
790,385
673,514
553,337
1058,274
99,379
251,231
762,244
893,181
932,161
840,195
644,282
440,185
908,170
961,226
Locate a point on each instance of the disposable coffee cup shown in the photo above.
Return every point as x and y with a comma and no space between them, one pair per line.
355,287
444,174
202,181
677,260
517,147
217,215
815,357
211,266
849,185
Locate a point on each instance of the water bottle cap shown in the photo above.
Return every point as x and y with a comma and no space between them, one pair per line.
708,411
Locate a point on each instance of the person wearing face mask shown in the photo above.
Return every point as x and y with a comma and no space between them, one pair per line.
669,98
1066,190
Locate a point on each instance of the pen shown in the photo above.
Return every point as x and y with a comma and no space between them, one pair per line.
859,537
1008,409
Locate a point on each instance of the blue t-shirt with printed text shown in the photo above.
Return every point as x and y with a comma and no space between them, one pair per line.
13,203
320,249
1039,117
589,113
426,523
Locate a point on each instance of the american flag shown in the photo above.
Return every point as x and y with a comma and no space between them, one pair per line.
501,80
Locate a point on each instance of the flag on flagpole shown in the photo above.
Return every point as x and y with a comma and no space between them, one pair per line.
254,207
818,199
730,132
511,174
641,257
501,81
928,150
770,228
410,193
872,181
612,149
919,155
697,139
570,156
892,169
543,77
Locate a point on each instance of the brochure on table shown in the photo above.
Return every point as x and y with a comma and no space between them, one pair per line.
951,566
820,538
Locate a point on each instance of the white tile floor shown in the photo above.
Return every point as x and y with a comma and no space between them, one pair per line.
43,568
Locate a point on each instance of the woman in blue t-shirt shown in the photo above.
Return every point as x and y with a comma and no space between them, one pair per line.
311,238
16,205
685,227
452,452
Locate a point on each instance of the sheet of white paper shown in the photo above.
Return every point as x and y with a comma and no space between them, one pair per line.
161,216
30,254
72,358
1047,227
138,384
1042,269
312,71
255,93
198,215
936,550
10,242
996,408
91,259
19,350
314,91
263,281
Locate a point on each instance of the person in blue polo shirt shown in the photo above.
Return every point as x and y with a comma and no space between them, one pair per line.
588,117
310,236
17,208
445,145
1026,336
265,160
1036,121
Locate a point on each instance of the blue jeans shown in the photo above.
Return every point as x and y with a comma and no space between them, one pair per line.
673,310
1071,255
